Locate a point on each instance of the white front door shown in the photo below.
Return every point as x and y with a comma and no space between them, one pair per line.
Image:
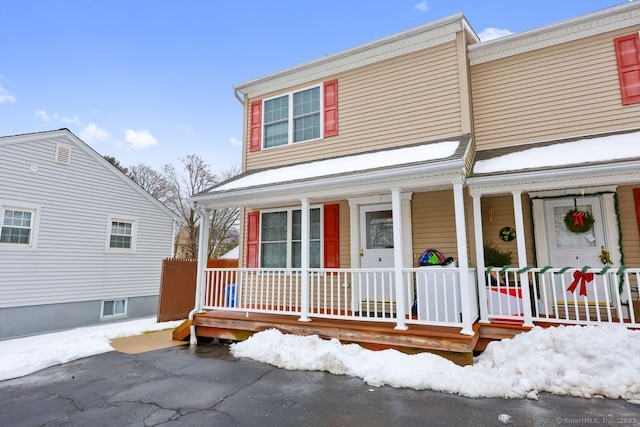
375,290
376,236
568,249
576,250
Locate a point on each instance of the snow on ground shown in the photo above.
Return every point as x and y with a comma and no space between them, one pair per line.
590,361
23,356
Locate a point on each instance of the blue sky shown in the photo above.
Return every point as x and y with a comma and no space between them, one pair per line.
150,81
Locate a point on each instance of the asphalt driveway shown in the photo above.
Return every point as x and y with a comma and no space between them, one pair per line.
206,386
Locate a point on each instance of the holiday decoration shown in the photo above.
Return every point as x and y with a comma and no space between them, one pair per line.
581,278
507,234
578,221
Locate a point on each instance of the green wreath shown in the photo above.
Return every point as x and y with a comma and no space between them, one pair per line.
578,221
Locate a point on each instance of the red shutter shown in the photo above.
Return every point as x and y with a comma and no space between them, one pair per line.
255,143
253,238
331,236
331,108
628,55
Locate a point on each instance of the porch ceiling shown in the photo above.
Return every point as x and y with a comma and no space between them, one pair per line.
593,160
426,166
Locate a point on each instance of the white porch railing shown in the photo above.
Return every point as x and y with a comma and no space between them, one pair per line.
434,296
564,296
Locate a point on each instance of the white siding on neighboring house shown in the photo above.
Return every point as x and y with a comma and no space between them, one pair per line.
71,260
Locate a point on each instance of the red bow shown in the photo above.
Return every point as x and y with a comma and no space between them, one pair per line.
578,218
583,278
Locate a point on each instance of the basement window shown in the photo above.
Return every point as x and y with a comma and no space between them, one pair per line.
114,308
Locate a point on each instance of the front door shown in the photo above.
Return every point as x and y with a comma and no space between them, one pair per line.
376,236
569,249
375,290
576,250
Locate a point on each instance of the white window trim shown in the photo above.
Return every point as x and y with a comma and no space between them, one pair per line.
289,211
134,233
290,119
35,223
115,315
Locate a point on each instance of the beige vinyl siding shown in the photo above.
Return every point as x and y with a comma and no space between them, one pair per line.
629,226
433,221
565,90
407,99
503,216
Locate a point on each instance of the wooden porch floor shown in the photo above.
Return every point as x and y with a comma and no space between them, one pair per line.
447,342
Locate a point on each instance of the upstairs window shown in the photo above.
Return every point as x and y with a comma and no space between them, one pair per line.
17,226
292,118
304,115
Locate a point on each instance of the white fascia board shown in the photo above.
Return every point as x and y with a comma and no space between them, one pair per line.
417,176
586,176
412,40
602,21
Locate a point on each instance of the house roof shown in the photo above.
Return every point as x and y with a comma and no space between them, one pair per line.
596,159
430,34
590,24
428,165
66,134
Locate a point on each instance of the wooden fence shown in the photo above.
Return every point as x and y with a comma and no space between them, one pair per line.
178,286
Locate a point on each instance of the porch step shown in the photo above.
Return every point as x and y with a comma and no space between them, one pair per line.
182,332
444,341
497,331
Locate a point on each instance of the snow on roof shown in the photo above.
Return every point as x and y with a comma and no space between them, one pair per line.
577,152
346,164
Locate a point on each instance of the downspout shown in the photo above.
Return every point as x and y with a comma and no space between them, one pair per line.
202,264
173,239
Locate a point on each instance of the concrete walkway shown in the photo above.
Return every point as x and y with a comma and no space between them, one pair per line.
206,386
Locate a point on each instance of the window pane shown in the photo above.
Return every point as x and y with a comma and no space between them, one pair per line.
274,255
296,257
306,128
16,227
567,239
107,309
314,219
15,235
119,307
314,256
306,102
276,110
276,134
274,226
296,221
379,228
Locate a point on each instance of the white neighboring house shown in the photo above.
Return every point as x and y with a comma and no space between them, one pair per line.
80,243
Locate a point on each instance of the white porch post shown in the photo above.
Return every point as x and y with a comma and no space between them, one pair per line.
463,259
480,267
398,259
304,261
201,280
522,257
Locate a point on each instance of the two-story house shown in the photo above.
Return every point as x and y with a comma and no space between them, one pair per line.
356,163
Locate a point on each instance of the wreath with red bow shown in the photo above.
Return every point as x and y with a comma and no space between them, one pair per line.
578,221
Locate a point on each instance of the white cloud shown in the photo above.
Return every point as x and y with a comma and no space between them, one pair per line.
46,116
75,120
493,33
5,96
235,141
422,6
93,133
140,139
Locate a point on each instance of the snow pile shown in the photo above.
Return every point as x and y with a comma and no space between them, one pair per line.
23,356
578,361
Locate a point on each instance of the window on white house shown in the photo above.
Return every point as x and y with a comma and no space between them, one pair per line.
115,307
17,226
121,234
292,118
281,239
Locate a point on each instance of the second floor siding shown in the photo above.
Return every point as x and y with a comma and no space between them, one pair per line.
407,99
569,89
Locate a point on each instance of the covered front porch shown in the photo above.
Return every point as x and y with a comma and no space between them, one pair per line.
376,294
